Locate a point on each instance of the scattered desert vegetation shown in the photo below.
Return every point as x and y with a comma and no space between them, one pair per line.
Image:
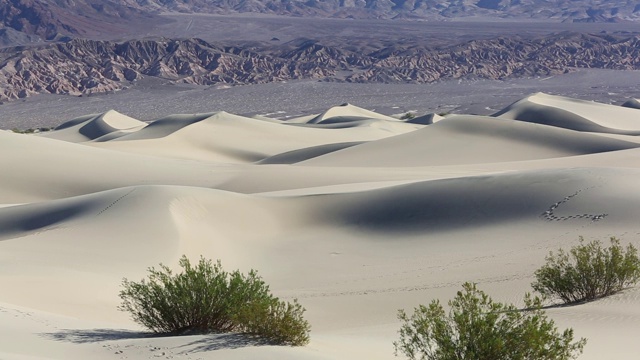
588,271
206,299
476,327
31,130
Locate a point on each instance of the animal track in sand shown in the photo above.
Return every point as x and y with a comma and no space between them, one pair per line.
113,203
136,350
550,215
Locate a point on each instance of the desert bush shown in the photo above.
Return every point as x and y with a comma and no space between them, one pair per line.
205,298
31,130
476,327
588,271
275,320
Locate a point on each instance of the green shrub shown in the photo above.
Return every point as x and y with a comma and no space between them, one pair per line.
478,328
205,298
588,271
275,320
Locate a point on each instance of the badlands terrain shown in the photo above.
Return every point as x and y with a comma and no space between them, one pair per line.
355,213
84,67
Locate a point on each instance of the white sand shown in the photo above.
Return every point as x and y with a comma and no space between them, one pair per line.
471,140
574,114
228,138
81,129
355,214
346,112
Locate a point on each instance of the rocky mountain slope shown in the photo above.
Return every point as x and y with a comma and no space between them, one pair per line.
54,18
87,66
95,18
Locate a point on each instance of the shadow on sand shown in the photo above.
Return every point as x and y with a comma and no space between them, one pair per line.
83,336
198,343
223,341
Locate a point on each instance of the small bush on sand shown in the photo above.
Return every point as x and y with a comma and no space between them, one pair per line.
204,298
478,328
275,320
588,271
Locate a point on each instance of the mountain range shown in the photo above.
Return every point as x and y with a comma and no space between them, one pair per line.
88,66
94,18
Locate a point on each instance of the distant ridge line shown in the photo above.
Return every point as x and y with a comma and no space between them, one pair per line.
51,19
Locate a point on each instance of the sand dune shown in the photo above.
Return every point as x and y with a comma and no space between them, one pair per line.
90,234
632,103
166,126
94,127
471,202
295,156
172,220
346,112
355,214
426,119
46,169
228,138
471,140
574,114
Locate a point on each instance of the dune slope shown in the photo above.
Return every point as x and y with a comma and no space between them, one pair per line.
81,129
573,114
471,140
228,138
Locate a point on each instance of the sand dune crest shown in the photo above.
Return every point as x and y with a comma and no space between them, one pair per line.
573,114
227,138
632,103
426,119
347,112
471,140
86,129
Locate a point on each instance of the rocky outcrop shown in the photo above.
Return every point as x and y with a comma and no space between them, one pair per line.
88,66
